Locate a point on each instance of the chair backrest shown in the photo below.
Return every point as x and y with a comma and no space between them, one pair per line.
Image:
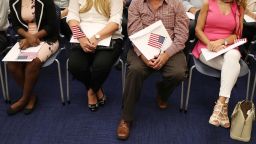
209,71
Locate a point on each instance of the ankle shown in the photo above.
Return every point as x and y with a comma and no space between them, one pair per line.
92,99
100,93
223,100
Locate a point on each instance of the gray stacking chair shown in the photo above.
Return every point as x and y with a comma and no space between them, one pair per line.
206,70
50,61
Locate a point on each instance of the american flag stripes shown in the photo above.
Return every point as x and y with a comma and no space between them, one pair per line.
77,32
156,40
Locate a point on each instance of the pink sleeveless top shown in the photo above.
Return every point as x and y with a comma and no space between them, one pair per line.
217,25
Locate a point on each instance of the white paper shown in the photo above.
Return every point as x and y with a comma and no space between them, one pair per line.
140,40
208,55
248,19
27,55
90,29
190,15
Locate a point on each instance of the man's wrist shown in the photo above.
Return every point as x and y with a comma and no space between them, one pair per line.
167,55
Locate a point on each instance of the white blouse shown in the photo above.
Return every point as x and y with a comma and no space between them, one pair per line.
116,12
4,7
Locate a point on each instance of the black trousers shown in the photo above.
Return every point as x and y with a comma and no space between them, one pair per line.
92,69
173,72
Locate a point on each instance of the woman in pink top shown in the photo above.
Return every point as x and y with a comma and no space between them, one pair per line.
218,25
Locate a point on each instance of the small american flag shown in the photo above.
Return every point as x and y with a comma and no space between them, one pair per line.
156,40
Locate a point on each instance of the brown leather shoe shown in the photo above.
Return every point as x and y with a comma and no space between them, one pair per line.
123,130
161,104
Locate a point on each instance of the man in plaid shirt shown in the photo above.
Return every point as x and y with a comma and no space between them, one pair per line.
171,63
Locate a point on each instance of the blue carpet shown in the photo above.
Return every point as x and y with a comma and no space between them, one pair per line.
52,123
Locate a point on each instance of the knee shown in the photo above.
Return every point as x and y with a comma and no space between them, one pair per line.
34,65
179,74
12,67
101,66
232,56
75,67
135,70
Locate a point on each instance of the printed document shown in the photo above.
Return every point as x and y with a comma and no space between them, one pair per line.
90,29
18,55
208,55
152,40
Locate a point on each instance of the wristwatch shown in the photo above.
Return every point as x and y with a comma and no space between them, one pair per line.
225,42
97,37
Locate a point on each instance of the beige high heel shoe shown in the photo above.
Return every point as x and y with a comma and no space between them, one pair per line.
214,119
224,120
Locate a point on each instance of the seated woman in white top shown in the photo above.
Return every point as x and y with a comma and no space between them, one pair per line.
192,5
89,62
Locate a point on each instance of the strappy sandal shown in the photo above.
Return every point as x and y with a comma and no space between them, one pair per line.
224,120
214,119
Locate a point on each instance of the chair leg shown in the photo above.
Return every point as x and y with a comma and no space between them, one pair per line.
60,81
67,79
188,90
124,67
2,83
248,84
253,88
182,96
123,74
8,99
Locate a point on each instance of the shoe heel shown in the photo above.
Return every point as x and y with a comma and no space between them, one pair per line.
93,107
102,101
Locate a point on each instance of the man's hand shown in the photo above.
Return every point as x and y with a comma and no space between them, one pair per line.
160,61
149,63
216,45
86,45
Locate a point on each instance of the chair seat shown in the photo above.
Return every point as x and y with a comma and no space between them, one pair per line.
51,59
206,70
209,71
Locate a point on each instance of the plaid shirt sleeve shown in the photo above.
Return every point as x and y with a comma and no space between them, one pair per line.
180,30
134,21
